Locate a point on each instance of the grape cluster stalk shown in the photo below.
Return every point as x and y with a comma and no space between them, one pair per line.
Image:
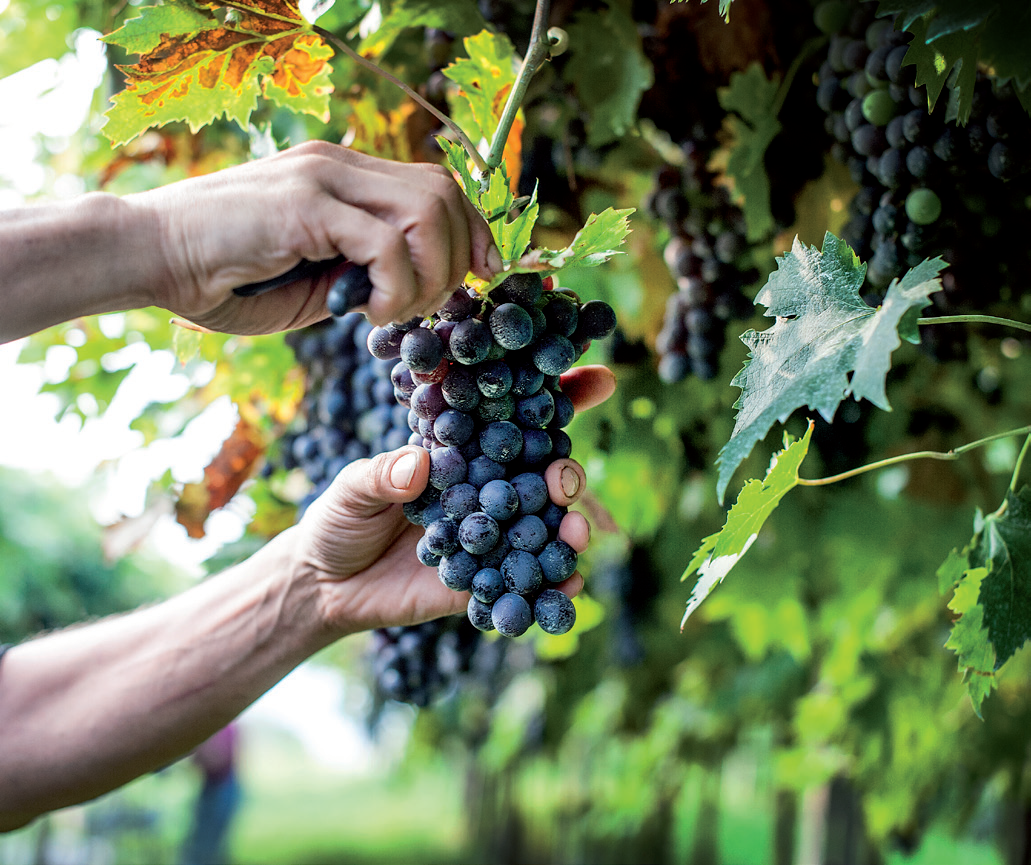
480,380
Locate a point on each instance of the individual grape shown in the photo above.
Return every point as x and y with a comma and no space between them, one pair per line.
554,354
532,491
502,441
458,307
511,615
459,388
422,350
561,314
526,377
597,320
460,500
527,533
480,615
554,612
428,401
482,470
499,499
537,411
522,288
447,467
496,409
537,447
453,427
471,341
494,379
442,537
511,326
558,561
478,533
522,573
488,585
878,106
385,342
456,570
425,554
923,206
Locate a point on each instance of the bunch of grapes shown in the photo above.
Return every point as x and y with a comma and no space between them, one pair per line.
481,382
349,413
419,664
707,255
627,584
928,187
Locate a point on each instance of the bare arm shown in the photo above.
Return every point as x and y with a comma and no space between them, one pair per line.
185,246
87,709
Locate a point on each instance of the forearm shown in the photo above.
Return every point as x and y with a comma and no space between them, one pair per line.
85,710
93,254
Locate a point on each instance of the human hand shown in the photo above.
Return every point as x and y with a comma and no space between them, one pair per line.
410,224
359,549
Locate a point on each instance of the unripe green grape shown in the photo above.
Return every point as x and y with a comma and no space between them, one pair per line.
923,206
878,107
831,16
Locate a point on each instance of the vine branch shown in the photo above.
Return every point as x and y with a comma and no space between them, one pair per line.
537,54
974,319
456,130
1019,464
953,454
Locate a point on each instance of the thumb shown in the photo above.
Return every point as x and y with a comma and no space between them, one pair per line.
366,487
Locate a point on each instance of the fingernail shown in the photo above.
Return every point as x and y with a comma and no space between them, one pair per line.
403,470
570,482
494,261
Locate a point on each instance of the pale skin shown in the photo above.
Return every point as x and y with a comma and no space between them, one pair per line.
87,709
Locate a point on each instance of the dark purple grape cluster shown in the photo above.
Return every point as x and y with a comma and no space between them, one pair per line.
421,663
628,586
928,187
349,411
480,380
707,254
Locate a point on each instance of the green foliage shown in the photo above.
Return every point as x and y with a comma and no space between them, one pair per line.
991,582
459,17
758,499
34,30
485,78
608,70
952,37
54,570
753,99
823,332
196,67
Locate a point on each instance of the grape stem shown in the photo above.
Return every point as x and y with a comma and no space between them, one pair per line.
1019,464
537,54
456,130
975,319
953,454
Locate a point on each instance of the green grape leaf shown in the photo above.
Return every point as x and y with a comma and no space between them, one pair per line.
458,159
1003,548
457,17
485,79
196,69
753,97
969,638
952,37
758,499
823,331
608,70
594,244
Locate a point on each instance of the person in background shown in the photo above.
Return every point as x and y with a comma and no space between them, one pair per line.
87,709
217,801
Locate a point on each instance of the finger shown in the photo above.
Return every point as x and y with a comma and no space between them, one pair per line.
566,481
571,587
367,487
364,239
483,257
575,531
588,386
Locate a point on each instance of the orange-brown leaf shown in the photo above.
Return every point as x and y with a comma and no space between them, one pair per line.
223,477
